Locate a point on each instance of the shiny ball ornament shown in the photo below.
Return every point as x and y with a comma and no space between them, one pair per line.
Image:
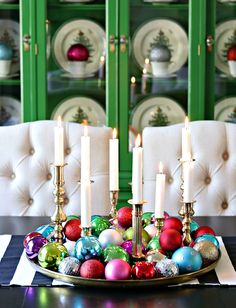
78,52
69,217
69,266
148,218
70,246
127,246
29,236
172,223
51,254
115,252
188,260
166,268
154,243
208,251
128,235
143,270
34,245
110,237
98,225
92,269
72,229
46,231
208,237
87,247
231,53
170,240
117,269
151,230
193,226
6,52
203,230
95,216
124,216
155,256
160,53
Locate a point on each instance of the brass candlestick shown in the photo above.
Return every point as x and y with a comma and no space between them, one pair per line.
113,202
59,216
159,223
186,212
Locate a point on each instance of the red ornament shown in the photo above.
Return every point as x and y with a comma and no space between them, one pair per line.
72,229
203,230
92,269
172,223
29,236
144,270
125,217
170,240
77,52
231,53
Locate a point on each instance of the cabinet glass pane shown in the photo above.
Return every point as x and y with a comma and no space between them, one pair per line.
10,106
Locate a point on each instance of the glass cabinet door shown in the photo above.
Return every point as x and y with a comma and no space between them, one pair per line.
10,93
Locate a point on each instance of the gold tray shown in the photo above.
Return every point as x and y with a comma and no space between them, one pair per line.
131,283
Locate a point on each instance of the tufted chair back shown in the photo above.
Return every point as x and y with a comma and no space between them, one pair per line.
26,177
214,180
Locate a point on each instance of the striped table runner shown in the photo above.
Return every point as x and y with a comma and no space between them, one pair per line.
16,270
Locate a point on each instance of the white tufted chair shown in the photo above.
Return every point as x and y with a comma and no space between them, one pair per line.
26,182
213,147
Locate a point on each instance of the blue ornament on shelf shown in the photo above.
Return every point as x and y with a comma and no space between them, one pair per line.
193,226
208,237
46,231
6,52
88,247
188,260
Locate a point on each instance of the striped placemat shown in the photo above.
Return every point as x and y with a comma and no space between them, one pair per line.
16,270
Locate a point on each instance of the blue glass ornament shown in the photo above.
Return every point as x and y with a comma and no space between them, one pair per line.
193,226
188,259
88,247
46,231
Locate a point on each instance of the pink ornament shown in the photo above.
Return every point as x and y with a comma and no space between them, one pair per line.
117,269
231,53
77,52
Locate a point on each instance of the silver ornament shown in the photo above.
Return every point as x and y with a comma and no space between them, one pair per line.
69,266
110,237
155,256
166,268
70,246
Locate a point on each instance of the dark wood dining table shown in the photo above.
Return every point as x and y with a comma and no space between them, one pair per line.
67,296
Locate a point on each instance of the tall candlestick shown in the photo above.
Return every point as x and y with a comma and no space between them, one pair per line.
114,162
160,192
144,81
85,155
58,144
186,140
132,89
188,177
101,67
137,172
85,203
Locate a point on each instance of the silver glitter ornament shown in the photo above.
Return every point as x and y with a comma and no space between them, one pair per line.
155,256
69,266
166,268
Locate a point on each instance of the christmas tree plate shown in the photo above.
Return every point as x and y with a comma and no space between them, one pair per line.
225,110
130,283
156,111
84,32
10,111
80,108
164,32
9,34
225,38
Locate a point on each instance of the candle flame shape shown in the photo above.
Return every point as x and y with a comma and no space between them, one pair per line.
186,122
59,121
144,71
160,167
102,59
138,141
133,80
146,61
114,133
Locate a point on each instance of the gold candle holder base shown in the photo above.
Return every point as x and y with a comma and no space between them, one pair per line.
159,223
59,216
187,213
113,202
86,231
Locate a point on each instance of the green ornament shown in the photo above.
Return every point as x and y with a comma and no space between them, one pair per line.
154,244
128,235
115,252
69,217
98,225
146,218
51,254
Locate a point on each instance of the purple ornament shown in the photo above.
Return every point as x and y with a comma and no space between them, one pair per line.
117,269
127,246
34,245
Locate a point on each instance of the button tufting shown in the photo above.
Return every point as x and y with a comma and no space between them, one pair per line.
49,176
207,180
224,205
32,151
30,201
13,175
225,156
170,180
66,200
68,151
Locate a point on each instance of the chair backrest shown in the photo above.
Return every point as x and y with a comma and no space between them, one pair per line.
214,179
26,176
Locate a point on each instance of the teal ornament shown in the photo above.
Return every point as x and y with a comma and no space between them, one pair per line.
46,231
6,52
69,266
208,237
188,260
154,244
87,247
115,252
193,226
51,254
98,225
147,218
95,216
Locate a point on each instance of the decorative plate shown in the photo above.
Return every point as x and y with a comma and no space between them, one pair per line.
9,34
79,108
82,31
157,111
164,30
225,38
10,111
225,110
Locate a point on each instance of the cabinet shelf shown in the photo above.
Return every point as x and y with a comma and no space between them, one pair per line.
82,7
9,82
6,6
179,6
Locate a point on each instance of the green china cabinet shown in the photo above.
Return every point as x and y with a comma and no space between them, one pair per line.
122,63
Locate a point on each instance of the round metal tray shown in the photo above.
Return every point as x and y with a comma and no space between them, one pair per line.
131,283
